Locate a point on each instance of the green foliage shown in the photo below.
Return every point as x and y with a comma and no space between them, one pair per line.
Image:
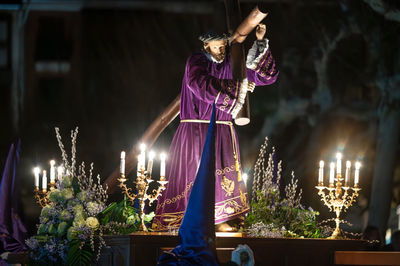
295,220
79,253
117,213
276,214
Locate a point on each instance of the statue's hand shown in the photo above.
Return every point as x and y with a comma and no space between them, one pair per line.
250,86
260,31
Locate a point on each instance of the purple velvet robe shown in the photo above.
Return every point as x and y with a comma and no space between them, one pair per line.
204,83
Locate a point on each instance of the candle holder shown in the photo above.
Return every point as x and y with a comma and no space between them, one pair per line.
42,196
338,198
142,182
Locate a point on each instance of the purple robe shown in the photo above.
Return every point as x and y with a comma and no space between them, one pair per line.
204,83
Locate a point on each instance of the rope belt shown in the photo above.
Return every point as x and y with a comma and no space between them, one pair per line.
233,137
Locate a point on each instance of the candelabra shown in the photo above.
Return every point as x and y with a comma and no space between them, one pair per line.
143,181
41,196
338,197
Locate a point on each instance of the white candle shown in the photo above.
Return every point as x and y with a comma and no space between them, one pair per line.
321,172
142,157
346,178
357,173
332,173
44,181
52,171
122,165
150,163
339,163
60,171
36,171
138,165
163,157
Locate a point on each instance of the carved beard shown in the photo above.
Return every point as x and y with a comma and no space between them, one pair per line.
218,57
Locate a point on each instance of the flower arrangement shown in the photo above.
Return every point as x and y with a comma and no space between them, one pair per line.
74,221
274,214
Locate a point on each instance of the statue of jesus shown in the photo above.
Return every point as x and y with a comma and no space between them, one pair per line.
208,80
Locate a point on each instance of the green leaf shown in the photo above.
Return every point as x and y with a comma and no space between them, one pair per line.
77,255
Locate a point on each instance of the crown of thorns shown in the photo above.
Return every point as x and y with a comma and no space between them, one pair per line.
214,36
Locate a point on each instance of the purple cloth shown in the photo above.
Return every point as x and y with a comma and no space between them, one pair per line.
12,230
204,83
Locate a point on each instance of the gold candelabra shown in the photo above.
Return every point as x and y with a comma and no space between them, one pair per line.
42,196
143,180
339,196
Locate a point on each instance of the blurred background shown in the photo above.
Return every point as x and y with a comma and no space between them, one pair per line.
111,66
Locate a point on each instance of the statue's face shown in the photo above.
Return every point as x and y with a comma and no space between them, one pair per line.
216,49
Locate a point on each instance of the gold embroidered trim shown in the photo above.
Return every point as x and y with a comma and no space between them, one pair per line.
225,103
171,220
228,186
225,170
189,186
263,60
176,198
223,209
227,98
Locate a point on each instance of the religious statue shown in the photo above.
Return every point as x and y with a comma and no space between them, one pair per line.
208,80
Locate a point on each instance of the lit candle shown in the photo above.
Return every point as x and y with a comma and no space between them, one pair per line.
52,171
245,176
332,173
321,172
44,181
346,179
142,157
60,171
339,164
357,173
138,164
163,157
150,163
122,165
36,171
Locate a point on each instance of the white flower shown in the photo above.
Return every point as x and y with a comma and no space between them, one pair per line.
67,193
78,221
92,222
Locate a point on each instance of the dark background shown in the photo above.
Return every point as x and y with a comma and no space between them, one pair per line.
120,63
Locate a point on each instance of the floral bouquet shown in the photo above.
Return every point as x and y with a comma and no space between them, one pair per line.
273,214
74,221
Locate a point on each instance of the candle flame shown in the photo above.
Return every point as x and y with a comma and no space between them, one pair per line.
338,156
163,156
321,163
36,170
152,154
122,155
348,164
358,165
142,147
245,177
52,162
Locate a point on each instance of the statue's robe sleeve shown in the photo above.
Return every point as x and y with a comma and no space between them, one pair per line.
261,67
225,93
